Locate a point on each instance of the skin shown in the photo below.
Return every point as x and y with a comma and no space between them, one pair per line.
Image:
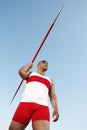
40,124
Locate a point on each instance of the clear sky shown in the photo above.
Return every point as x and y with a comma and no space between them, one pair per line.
23,25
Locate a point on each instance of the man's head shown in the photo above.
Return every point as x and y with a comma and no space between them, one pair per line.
42,65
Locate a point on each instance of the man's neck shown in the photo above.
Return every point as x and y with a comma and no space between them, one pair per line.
41,72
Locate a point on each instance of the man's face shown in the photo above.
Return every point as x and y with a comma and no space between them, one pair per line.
43,65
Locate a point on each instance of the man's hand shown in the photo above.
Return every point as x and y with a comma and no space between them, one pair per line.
55,116
30,65
24,71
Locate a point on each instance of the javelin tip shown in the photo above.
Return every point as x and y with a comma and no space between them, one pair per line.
59,13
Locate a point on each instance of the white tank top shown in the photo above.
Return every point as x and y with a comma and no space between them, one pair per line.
37,89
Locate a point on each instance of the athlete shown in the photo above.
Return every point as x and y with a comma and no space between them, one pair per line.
34,103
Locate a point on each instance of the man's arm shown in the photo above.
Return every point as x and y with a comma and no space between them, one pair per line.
24,71
53,100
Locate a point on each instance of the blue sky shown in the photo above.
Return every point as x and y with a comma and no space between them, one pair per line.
23,25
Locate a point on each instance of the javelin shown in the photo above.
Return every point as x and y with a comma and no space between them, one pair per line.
40,47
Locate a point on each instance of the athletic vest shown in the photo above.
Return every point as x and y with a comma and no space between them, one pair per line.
37,89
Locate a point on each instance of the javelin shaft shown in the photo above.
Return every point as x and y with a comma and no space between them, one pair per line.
39,48
17,90
42,43
33,59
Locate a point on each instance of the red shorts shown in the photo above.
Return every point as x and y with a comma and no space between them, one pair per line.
27,111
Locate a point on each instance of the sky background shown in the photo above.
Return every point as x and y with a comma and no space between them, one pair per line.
23,25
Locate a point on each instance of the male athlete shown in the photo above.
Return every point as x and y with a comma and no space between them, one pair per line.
34,103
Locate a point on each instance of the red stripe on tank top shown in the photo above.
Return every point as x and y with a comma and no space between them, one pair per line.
39,79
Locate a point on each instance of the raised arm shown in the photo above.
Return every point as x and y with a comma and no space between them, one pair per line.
24,71
53,100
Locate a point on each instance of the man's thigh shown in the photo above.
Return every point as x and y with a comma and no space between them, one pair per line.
16,126
41,125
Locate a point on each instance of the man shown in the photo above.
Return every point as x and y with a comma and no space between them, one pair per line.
34,103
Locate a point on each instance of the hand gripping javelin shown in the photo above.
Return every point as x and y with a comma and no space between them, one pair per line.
49,30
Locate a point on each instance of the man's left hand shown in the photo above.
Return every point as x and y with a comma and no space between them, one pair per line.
55,116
